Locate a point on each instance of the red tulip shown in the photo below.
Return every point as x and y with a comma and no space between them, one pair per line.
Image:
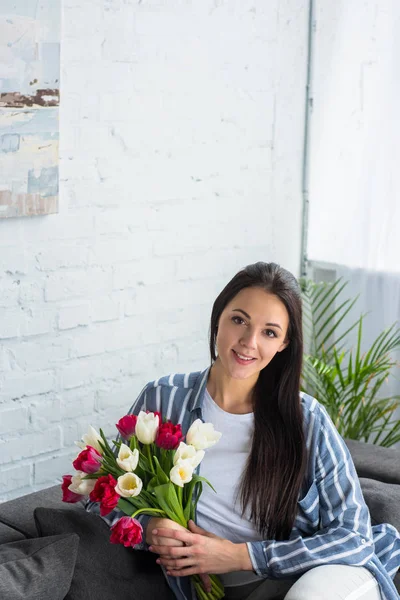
126,531
126,426
104,492
169,436
69,496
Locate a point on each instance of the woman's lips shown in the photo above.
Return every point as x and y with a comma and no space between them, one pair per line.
242,361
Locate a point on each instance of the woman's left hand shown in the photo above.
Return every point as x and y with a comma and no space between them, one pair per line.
203,552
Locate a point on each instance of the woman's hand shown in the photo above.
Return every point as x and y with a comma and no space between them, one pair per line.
156,523
203,552
154,539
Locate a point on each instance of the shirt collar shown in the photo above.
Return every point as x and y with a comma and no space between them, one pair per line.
196,399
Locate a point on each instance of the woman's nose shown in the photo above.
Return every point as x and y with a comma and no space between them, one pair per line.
248,339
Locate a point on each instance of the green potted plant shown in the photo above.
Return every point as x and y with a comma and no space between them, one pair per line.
348,382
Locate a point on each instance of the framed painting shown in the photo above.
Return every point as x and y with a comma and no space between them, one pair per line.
29,105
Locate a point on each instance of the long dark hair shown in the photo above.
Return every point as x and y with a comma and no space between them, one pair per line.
276,465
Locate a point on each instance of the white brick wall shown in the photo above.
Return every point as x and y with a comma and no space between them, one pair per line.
181,129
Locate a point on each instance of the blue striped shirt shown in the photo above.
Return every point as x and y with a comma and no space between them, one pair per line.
332,525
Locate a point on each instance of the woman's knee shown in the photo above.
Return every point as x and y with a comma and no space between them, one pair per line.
335,582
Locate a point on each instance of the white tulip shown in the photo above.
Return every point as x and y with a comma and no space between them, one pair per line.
181,473
129,485
146,427
186,452
80,485
127,460
202,435
92,438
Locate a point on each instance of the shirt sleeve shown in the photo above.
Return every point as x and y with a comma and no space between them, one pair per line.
344,534
113,516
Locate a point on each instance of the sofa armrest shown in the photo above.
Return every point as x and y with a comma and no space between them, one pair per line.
375,462
18,513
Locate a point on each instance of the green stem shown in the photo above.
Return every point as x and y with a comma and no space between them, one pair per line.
148,510
149,457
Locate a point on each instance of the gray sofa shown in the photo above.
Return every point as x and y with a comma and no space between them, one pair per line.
50,550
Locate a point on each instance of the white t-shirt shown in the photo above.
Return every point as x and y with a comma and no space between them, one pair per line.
223,465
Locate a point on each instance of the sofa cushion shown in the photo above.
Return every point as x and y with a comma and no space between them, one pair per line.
101,567
8,534
18,513
38,568
383,501
375,462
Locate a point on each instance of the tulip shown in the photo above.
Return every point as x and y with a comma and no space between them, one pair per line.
81,486
92,438
67,495
186,452
126,426
202,435
126,531
169,436
147,427
129,485
88,461
105,493
127,460
181,473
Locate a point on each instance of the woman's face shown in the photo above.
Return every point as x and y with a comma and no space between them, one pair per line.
251,330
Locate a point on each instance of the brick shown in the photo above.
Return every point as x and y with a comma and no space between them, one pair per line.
144,272
82,399
79,372
104,337
32,444
11,323
105,308
14,479
58,227
56,256
180,294
52,468
37,355
73,316
38,321
76,284
26,384
31,292
9,292
14,261
114,250
121,394
13,419
44,409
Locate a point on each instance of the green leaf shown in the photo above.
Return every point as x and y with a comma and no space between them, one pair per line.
168,502
161,476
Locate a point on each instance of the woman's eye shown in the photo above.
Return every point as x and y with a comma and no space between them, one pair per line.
237,320
270,333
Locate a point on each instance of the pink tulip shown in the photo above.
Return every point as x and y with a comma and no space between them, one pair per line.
88,461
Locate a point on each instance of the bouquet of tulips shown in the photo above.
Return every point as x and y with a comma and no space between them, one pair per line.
150,471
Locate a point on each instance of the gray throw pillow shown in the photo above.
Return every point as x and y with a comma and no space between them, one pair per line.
104,570
383,501
39,568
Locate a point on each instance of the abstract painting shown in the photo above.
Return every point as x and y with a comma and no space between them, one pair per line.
29,101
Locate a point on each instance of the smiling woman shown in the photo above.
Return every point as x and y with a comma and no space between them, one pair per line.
289,511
